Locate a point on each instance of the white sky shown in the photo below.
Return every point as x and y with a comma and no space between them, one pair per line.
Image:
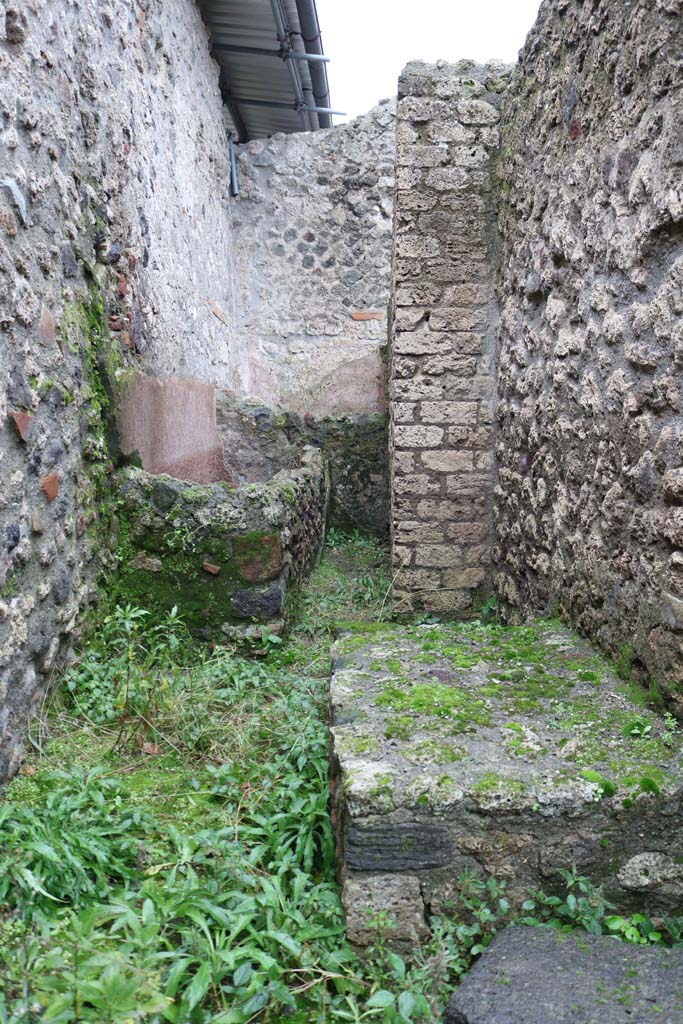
370,41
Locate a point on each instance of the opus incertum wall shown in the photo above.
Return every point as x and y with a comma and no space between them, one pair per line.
443,372
590,436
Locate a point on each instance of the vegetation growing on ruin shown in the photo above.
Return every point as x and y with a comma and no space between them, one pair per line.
167,854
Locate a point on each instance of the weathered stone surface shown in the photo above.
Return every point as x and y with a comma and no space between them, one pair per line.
443,343
507,751
535,976
397,896
312,237
259,441
590,441
103,116
222,555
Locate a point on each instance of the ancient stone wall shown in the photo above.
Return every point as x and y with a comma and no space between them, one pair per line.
223,555
590,436
312,231
443,339
114,244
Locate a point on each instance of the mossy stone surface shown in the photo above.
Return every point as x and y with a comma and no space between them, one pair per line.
521,741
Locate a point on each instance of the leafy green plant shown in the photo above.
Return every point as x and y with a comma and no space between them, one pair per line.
181,871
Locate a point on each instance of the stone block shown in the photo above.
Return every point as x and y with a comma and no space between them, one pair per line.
455,762
430,509
464,579
444,461
536,975
466,533
397,896
477,112
449,179
404,412
446,602
438,555
423,342
457,319
449,412
418,533
404,462
416,483
417,437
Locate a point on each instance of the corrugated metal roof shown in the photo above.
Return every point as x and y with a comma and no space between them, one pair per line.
249,76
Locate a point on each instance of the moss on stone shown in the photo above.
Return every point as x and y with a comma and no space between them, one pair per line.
462,709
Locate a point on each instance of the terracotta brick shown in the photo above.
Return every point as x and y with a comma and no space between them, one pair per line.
367,316
47,332
50,486
22,423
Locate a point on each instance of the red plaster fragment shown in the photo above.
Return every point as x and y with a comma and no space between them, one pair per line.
50,486
22,423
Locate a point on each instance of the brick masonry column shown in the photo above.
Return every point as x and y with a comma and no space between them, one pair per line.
443,348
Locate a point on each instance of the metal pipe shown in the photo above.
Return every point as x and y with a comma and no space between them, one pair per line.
260,51
292,67
310,31
234,180
281,105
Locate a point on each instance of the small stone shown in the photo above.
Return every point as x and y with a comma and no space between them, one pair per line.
672,612
46,328
12,536
50,486
18,198
16,26
37,525
69,262
148,563
22,423
213,570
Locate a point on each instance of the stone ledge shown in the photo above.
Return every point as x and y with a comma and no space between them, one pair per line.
535,975
507,751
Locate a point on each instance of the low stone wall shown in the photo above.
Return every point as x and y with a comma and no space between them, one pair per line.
442,373
225,556
259,441
511,752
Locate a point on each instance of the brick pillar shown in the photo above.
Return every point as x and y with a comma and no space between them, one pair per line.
443,351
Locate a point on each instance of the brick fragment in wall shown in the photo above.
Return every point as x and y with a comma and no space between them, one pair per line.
443,346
